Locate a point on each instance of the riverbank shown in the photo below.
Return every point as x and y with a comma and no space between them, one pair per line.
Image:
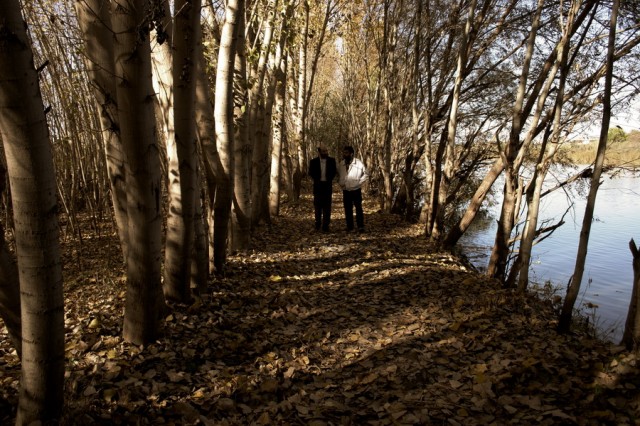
608,280
310,328
622,151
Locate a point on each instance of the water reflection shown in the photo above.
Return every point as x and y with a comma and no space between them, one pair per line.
608,275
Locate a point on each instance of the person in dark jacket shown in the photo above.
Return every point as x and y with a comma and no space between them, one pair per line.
322,170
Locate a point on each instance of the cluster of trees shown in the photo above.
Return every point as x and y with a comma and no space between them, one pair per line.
142,106
202,113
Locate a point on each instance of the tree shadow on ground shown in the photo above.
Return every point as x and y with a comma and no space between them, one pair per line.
373,328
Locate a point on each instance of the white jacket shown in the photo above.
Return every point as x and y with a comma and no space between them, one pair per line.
354,176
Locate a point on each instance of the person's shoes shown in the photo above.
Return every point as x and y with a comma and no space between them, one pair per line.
325,230
348,230
360,230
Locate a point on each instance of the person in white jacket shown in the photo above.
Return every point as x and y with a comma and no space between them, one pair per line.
352,174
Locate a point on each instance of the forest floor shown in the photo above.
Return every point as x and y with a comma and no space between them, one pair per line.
330,329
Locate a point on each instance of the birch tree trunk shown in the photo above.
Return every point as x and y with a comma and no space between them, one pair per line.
24,132
137,125
223,113
573,289
183,159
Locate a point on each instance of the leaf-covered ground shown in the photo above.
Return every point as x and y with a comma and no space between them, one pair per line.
330,329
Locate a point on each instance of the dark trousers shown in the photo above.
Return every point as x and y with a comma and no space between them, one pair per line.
353,199
322,204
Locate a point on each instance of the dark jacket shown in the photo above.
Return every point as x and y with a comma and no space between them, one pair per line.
314,169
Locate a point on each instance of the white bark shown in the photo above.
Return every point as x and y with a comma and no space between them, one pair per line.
223,113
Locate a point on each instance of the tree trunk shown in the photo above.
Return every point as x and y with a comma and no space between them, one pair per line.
520,266
213,169
534,194
431,227
212,185
161,63
24,132
288,168
631,336
200,259
223,113
564,324
514,152
183,157
94,18
299,117
200,262
206,133
279,70
385,161
137,127
243,146
450,151
497,267
418,144
458,230
257,117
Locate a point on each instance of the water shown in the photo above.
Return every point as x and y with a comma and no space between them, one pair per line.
608,275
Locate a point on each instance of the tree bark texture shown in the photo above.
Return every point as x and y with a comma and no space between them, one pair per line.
564,323
533,196
299,117
132,59
200,258
183,160
24,132
94,18
223,113
257,117
514,152
277,117
242,148
162,66
206,133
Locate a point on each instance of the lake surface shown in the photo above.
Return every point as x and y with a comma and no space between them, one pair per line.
608,275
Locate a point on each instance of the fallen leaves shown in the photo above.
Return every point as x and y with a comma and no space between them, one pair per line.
376,329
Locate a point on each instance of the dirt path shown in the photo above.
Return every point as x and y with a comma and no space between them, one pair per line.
337,328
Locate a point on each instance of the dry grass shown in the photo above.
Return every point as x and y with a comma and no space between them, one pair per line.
619,154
